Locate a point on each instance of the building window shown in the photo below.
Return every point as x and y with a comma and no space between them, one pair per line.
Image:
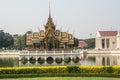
107,43
103,43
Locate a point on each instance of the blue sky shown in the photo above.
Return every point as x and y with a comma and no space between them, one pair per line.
82,17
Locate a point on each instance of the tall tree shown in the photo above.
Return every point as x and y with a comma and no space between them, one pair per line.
75,42
19,42
6,40
91,43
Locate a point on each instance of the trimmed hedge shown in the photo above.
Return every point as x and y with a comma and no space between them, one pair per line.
62,69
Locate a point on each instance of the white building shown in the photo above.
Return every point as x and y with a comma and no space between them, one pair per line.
107,40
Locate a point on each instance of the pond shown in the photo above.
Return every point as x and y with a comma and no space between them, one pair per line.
14,62
9,62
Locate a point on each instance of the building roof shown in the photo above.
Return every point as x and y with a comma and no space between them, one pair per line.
108,33
82,44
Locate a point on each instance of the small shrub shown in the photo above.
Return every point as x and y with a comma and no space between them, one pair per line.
76,59
58,60
24,60
50,60
32,60
41,60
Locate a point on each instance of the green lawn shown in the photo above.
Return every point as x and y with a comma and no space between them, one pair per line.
64,78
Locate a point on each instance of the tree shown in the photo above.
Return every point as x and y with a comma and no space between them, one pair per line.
91,43
75,42
19,41
6,40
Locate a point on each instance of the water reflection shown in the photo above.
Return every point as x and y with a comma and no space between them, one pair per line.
14,62
9,62
88,62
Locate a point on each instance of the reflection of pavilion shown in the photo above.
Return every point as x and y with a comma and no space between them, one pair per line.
50,38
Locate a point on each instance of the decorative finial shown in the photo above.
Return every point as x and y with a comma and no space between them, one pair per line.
49,9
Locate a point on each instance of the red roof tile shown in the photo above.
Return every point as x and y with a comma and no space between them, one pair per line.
108,33
82,44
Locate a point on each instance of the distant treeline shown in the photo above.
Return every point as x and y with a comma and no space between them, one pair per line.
90,43
8,41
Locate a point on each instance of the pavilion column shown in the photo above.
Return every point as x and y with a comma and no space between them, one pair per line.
53,44
57,44
67,45
33,46
46,44
40,46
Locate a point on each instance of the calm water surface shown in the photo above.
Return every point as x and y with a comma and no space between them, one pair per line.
14,62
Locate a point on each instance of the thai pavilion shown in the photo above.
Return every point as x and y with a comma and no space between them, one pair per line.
50,38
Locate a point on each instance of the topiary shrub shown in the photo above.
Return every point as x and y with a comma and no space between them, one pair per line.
32,60
24,60
50,60
41,60
58,60
76,59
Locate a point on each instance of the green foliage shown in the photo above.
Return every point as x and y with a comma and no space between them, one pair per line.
91,43
6,40
75,42
32,60
24,60
60,78
76,59
19,42
58,60
41,60
108,69
86,71
73,69
61,69
49,60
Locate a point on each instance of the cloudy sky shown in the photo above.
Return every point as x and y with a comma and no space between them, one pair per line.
81,17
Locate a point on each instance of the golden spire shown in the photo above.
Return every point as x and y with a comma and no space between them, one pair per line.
50,23
49,10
